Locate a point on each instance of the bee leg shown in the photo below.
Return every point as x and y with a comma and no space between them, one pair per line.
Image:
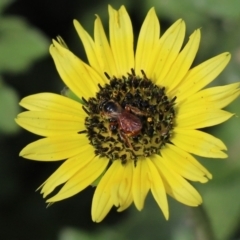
112,127
125,138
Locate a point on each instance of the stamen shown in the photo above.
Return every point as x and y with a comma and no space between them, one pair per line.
107,76
144,75
84,100
85,110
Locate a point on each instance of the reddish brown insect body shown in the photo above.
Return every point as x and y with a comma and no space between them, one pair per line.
128,124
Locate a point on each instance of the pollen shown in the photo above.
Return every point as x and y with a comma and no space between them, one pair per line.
138,98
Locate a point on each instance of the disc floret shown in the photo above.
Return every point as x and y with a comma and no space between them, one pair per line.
156,113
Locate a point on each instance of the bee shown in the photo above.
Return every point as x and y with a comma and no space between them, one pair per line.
125,120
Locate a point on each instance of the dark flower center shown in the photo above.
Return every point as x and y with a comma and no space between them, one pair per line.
130,117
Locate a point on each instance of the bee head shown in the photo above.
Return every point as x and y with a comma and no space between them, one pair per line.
109,107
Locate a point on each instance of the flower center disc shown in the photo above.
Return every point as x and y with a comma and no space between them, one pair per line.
129,118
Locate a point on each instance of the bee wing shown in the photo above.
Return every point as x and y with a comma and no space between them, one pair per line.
129,123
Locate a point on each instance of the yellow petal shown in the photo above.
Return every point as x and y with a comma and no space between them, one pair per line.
121,40
201,118
183,62
147,41
52,102
78,76
176,186
121,184
184,164
169,46
102,201
201,75
48,123
117,199
89,46
125,187
127,203
157,188
68,169
141,184
55,147
82,179
199,143
103,50
215,97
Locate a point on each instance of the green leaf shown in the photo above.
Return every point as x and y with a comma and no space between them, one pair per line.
221,200
8,109
67,92
196,10
20,45
221,194
74,234
4,4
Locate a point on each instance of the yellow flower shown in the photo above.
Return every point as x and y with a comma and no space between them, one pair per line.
138,119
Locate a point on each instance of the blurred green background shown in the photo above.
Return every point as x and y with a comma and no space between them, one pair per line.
26,30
